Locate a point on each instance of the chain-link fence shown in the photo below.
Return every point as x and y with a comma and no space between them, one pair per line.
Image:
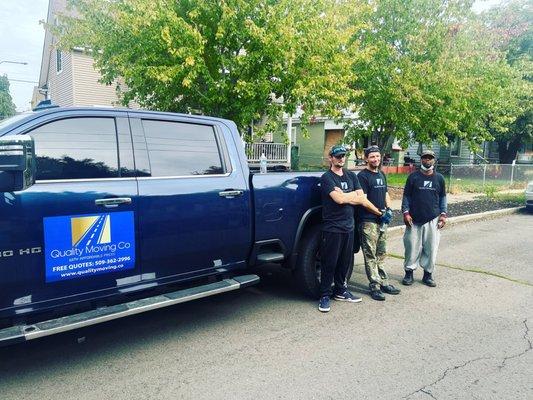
477,178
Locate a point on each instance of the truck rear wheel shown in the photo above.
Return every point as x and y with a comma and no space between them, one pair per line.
307,271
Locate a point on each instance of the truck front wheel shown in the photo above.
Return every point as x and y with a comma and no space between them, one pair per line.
308,265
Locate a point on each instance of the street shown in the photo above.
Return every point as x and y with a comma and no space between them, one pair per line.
469,338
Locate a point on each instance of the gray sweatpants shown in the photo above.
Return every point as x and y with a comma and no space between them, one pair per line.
421,243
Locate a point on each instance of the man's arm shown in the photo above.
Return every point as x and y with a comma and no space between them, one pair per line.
368,205
443,205
357,198
407,219
352,198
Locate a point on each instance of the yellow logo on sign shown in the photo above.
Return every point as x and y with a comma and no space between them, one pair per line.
93,229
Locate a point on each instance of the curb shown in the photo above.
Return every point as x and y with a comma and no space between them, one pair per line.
395,230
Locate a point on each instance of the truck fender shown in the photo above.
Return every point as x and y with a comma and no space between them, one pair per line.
311,217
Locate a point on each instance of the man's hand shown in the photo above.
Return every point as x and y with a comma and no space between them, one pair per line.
407,219
442,221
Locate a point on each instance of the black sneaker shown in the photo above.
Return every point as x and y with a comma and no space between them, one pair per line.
389,289
323,304
347,296
408,278
428,280
377,294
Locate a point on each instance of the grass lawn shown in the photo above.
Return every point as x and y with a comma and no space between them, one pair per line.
464,185
396,180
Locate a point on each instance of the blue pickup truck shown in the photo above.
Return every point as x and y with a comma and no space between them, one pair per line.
112,212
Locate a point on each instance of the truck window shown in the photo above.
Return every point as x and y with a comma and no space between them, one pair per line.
181,149
76,148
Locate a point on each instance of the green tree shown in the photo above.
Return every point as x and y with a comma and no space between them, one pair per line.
509,27
239,59
7,108
426,79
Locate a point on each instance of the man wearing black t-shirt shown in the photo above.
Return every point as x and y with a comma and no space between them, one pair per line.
424,213
371,224
340,192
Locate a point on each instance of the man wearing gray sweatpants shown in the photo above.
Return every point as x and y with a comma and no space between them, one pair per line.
424,213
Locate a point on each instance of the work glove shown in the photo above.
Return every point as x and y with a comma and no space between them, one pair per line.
386,216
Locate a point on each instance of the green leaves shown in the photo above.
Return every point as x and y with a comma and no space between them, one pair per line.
7,107
418,70
230,58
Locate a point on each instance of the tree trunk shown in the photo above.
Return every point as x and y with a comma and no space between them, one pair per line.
507,150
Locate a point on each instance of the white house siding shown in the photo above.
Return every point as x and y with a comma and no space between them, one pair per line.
60,84
87,90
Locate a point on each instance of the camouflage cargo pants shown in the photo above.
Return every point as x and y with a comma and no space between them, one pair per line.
373,245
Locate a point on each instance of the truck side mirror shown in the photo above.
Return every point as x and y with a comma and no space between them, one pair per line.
17,163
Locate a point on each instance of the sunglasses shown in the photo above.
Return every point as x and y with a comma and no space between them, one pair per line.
340,156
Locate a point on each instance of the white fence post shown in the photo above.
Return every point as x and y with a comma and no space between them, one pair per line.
512,171
484,173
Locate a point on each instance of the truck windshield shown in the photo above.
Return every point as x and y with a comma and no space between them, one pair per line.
6,123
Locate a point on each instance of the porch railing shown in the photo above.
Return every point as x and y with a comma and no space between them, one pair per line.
274,152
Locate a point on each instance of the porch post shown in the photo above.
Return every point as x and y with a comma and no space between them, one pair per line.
289,135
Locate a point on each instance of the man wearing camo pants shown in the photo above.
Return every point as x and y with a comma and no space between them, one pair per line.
424,214
371,225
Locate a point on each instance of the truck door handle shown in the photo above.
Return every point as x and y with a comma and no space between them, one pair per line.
112,201
230,193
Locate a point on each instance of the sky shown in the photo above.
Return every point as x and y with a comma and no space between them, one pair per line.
22,37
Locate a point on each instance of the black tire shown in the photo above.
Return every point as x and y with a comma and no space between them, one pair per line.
307,271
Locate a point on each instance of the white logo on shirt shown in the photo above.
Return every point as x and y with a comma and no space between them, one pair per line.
379,181
428,184
344,185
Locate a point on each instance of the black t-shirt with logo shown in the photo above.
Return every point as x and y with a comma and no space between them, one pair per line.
374,184
424,193
337,218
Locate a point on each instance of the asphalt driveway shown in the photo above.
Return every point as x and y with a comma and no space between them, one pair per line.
469,338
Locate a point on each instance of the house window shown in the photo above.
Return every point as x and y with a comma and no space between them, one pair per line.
456,147
59,61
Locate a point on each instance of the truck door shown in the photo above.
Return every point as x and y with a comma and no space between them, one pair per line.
194,204
71,234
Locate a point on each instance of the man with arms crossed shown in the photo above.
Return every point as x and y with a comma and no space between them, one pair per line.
373,233
340,192
424,213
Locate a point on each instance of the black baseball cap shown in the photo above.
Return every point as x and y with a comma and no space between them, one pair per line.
337,150
372,149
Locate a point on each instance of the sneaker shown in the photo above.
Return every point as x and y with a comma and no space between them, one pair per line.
323,304
389,289
377,294
347,296
408,279
428,280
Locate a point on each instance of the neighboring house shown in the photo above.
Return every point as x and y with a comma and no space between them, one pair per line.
311,151
68,78
308,152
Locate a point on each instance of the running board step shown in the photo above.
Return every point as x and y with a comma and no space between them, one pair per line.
264,258
22,333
